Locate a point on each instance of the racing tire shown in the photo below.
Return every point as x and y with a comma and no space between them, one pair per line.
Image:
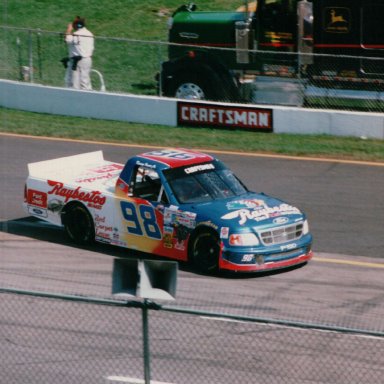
78,224
205,251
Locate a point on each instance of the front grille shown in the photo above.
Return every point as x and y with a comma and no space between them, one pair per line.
282,234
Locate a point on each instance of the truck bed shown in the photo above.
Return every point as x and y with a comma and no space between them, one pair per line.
88,169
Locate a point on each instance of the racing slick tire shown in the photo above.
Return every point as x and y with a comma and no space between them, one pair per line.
204,251
78,224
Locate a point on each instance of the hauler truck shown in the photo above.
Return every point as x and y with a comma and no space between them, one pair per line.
278,51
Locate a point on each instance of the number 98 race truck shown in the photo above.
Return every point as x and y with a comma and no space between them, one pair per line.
176,203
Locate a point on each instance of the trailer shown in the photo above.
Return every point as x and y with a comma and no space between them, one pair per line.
278,52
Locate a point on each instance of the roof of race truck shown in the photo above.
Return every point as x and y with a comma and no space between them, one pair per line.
174,158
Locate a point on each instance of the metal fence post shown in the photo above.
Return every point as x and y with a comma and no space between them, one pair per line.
146,352
159,80
30,56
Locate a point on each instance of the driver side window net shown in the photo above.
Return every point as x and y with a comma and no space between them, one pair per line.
146,184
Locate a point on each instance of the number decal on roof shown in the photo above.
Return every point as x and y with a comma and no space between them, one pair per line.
168,154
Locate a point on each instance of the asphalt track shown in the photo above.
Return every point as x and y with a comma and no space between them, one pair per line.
342,286
343,200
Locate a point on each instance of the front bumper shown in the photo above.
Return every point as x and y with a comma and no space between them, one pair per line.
257,262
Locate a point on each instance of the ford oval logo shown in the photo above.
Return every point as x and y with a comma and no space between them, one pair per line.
280,220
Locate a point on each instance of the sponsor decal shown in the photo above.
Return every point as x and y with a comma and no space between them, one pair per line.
261,213
180,245
245,203
55,205
337,20
93,198
104,228
99,219
198,168
108,168
102,235
177,225
224,232
146,165
119,243
168,237
174,217
280,220
37,211
102,239
95,178
288,247
37,198
196,114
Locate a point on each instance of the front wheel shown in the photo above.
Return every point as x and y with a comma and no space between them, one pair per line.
78,224
201,85
205,251
191,86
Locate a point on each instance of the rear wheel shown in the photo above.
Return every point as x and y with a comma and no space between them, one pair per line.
205,251
78,224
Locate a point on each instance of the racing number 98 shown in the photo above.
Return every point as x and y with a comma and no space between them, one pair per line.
147,225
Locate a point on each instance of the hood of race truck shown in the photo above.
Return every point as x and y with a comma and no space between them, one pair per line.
247,211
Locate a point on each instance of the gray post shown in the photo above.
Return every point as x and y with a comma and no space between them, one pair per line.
30,56
147,362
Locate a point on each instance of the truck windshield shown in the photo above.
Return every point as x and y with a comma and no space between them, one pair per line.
203,186
278,15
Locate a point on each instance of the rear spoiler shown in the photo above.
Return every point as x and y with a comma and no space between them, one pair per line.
64,165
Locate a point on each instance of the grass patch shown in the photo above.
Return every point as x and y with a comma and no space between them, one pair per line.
351,148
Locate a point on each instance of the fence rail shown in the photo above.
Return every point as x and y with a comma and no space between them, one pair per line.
49,338
131,66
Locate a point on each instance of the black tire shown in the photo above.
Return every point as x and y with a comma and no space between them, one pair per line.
78,224
204,251
192,86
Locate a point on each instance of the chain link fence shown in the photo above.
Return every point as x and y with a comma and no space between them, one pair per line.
59,339
133,66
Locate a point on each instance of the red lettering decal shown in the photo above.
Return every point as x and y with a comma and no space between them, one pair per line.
94,198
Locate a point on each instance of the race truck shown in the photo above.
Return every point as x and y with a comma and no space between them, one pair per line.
278,52
176,203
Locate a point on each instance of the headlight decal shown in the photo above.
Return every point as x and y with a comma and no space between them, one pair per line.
243,239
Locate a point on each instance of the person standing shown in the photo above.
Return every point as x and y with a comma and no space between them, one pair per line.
80,43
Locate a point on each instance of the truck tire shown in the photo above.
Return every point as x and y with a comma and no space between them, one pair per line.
204,251
192,86
78,224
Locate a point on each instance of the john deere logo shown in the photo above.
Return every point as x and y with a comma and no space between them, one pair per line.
337,20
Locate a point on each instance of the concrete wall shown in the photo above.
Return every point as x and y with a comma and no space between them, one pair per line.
329,122
154,110
98,105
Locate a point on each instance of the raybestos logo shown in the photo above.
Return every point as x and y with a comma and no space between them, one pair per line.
261,213
93,198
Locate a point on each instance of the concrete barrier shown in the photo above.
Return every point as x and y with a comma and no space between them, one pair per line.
91,104
329,122
155,110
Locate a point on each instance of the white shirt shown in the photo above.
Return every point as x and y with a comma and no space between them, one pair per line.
80,43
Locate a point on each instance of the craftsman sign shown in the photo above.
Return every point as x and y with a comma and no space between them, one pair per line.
224,116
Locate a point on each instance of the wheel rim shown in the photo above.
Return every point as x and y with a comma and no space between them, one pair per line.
206,252
190,91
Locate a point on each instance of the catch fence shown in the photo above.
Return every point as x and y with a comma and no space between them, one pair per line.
51,338
132,66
